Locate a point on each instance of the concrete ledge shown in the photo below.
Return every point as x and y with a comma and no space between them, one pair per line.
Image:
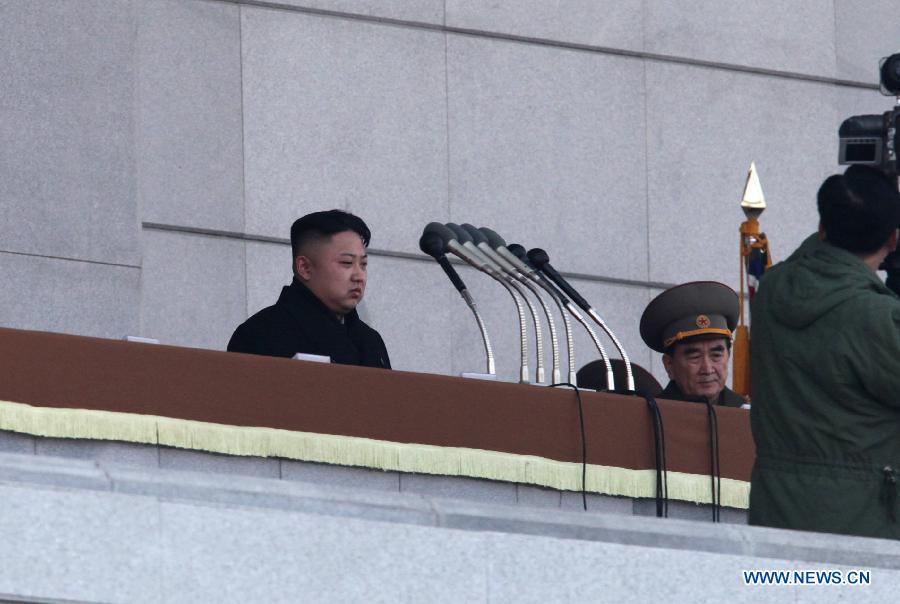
36,472
451,487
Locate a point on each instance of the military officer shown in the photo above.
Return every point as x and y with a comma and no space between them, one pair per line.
691,325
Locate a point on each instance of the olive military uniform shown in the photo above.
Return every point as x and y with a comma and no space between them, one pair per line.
826,395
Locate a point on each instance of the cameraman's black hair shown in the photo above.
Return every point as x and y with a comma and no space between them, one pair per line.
322,225
859,209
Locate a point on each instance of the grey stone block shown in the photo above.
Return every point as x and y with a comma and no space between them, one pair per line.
408,302
284,557
100,451
424,11
79,546
597,23
326,474
459,487
189,129
545,570
282,495
863,34
347,114
193,289
268,270
75,297
201,461
540,497
856,101
547,146
798,37
698,117
67,182
685,510
29,468
15,442
605,504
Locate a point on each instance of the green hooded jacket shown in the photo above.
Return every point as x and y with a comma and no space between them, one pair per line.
825,359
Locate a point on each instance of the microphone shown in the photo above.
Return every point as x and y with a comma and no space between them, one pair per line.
432,243
496,246
563,304
508,273
458,241
541,261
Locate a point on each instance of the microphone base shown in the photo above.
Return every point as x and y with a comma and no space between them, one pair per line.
479,376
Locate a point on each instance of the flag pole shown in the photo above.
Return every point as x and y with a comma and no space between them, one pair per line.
755,259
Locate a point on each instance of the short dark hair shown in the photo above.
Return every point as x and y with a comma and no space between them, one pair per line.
859,209
321,225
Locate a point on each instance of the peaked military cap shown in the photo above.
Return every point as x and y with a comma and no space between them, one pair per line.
685,311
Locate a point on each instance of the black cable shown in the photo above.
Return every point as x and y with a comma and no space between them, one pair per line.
583,441
659,442
715,474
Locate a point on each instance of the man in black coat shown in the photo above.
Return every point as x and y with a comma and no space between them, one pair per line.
316,313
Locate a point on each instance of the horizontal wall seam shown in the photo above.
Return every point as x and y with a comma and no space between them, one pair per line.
237,236
561,44
68,259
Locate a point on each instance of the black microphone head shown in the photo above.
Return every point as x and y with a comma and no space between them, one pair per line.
432,244
441,231
538,257
494,240
477,236
519,252
460,233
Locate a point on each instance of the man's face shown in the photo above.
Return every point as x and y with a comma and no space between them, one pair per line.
335,270
699,367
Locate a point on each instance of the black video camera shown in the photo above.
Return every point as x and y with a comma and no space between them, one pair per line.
874,140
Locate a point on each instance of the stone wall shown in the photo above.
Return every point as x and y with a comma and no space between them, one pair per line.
89,531
155,152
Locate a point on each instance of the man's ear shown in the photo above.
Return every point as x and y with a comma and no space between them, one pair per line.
892,240
821,232
303,267
667,364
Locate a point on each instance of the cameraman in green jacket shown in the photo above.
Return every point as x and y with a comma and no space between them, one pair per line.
826,370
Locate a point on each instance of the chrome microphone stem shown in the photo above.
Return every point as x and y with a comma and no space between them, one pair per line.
488,351
610,379
599,320
567,326
524,372
538,335
554,342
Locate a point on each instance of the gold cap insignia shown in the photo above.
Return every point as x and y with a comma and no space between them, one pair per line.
702,321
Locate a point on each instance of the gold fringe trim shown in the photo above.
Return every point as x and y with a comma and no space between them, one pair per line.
356,451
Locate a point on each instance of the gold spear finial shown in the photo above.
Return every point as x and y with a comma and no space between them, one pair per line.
754,202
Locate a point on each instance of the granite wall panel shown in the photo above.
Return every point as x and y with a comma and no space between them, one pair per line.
67,173
797,36
193,289
704,130
68,296
865,31
188,114
343,114
423,11
604,23
547,147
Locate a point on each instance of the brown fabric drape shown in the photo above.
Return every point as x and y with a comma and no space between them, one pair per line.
63,371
